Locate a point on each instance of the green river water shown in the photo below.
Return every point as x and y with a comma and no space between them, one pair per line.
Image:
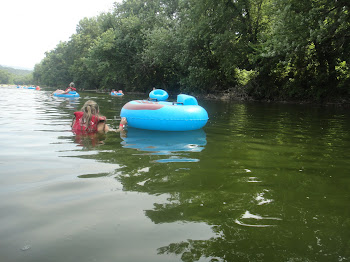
260,182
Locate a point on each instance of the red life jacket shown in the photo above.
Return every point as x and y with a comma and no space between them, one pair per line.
80,128
72,88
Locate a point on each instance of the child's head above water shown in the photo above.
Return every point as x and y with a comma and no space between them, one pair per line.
90,107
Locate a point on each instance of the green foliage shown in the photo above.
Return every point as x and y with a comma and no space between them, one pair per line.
245,76
267,49
24,79
5,77
307,42
53,69
15,76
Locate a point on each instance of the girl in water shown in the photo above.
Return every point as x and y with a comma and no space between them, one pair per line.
88,120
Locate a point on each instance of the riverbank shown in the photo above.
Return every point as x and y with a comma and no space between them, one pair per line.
231,96
227,96
240,97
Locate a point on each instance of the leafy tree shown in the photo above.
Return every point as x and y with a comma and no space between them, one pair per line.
119,53
15,76
219,38
53,70
87,31
307,45
5,77
23,79
265,49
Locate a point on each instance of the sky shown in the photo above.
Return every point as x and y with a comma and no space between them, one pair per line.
28,29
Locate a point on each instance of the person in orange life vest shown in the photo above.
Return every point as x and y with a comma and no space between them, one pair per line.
71,87
88,120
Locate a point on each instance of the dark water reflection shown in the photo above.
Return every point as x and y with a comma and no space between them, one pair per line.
261,182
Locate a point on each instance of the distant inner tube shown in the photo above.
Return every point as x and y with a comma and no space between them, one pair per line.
69,94
159,95
116,94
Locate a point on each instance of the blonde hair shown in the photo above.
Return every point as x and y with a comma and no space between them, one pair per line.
89,109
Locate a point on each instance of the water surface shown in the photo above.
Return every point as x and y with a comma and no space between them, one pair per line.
260,182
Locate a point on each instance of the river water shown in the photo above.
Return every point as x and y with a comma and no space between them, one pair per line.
260,182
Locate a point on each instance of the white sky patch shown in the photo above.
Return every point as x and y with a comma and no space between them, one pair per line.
31,28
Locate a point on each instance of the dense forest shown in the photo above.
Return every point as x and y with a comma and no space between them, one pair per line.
248,49
9,75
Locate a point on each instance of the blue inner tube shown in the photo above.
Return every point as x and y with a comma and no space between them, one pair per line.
70,94
159,95
116,94
183,115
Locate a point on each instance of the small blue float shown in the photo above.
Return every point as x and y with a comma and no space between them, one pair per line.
159,95
116,94
183,115
70,94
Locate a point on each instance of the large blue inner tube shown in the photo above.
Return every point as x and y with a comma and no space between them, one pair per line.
159,95
183,115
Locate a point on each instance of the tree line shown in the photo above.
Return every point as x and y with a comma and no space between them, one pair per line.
259,49
15,76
